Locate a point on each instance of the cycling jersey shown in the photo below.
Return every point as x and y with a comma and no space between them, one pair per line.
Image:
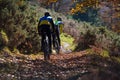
59,25
46,20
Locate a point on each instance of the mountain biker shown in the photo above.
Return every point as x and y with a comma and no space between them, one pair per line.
58,30
46,25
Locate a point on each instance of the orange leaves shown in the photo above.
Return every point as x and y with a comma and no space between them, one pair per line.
81,6
72,11
47,1
51,1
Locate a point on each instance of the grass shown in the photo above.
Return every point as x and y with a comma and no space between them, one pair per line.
65,38
35,56
4,37
117,59
103,53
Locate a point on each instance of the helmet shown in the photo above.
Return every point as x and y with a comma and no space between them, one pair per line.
47,14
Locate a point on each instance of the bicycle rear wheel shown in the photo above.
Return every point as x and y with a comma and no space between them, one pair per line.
46,49
57,46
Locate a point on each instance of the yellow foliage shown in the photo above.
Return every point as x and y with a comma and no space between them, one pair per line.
98,51
4,37
80,7
51,1
72,11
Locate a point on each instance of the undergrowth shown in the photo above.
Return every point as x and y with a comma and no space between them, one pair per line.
65,38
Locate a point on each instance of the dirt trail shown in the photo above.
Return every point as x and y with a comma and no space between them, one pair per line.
72,66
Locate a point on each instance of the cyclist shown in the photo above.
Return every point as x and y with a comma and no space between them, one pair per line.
58,30
46,25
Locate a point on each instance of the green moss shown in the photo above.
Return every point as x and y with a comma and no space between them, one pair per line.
7,50
117,59
89,51
4,37
105,53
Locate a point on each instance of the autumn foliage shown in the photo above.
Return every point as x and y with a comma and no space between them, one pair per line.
108,11
82,5
46,2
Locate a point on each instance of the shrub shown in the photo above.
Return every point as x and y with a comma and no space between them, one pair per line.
86,40
19,22
100,37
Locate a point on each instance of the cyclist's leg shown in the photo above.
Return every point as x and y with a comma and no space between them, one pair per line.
42,37
53,38
49,38
42,41
58,36
50,42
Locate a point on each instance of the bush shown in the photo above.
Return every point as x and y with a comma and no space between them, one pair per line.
100,37
19,22
86,40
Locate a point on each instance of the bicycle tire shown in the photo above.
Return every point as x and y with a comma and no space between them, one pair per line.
57,46
46,49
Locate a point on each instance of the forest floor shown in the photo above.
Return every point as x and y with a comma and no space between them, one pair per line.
70,66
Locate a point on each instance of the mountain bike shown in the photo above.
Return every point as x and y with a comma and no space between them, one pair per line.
46,48
57,45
